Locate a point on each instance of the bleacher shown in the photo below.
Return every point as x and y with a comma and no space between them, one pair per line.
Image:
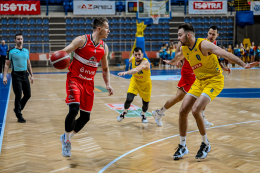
225,25
35,30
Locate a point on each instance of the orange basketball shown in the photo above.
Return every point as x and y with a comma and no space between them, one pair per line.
60,59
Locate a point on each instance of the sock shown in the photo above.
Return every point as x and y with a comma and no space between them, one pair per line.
162,110
183,140
203,113
72,134
125,111
67,137
205,139
143,113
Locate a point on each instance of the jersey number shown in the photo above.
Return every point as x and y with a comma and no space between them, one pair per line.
198,57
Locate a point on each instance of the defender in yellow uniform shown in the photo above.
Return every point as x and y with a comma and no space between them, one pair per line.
140,83
202,56
209,79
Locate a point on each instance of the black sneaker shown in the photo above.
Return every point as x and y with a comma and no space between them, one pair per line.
144,119
121,117
181,151
21,120
203,151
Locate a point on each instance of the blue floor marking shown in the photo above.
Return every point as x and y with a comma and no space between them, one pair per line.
4,100
240,93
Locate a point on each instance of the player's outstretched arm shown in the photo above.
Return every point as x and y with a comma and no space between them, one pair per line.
144,65
76,43
207,47
106,72
223,67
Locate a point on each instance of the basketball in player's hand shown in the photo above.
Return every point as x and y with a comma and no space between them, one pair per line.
60,59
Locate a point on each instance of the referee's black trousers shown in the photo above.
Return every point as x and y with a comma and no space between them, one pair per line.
21,84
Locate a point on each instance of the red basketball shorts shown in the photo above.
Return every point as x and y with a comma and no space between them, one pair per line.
80,92
185,82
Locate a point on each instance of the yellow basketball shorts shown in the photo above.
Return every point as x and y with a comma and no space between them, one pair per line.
144,89
210,87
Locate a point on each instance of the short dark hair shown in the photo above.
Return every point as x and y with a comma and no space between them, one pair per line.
98,22
186,27
18,35
214,28
137,49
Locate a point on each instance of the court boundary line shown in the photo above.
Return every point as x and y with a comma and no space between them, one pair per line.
129,152
6,108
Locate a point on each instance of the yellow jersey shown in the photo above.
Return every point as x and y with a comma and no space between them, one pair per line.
143,75
203,66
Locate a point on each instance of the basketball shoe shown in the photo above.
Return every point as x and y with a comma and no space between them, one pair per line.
66,146
181,151
158,117
121,117
203,151
143,118
208,124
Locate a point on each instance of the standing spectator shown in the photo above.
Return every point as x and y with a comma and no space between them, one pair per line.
171,43
3,50
252,52
19,57
257,57
242,51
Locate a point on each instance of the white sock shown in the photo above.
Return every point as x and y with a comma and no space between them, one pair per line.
203,113
205,139
72,134
67,137
125,111
143,113
183,140
162,110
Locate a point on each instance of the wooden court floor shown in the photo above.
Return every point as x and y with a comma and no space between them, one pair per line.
35,147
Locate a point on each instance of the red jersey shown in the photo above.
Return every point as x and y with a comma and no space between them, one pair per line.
86,59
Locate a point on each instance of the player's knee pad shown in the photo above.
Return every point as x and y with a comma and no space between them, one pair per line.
82,121
130,97
73,110
129,100
70,119
145,106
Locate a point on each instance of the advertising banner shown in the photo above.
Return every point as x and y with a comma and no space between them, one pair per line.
94,7
20,7
207,7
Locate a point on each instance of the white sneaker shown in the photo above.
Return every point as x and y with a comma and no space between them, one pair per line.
158,117
143,118
208,124
121,117
66,147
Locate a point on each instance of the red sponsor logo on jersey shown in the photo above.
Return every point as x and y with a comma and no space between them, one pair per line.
196,66
208,5
139,77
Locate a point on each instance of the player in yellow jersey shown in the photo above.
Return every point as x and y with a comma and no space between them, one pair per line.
202,56
140,83
186,81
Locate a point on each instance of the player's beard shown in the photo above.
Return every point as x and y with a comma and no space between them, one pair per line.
139,60
185,42
19,44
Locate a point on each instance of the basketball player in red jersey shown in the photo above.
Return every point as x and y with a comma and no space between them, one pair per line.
187,79
89,50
